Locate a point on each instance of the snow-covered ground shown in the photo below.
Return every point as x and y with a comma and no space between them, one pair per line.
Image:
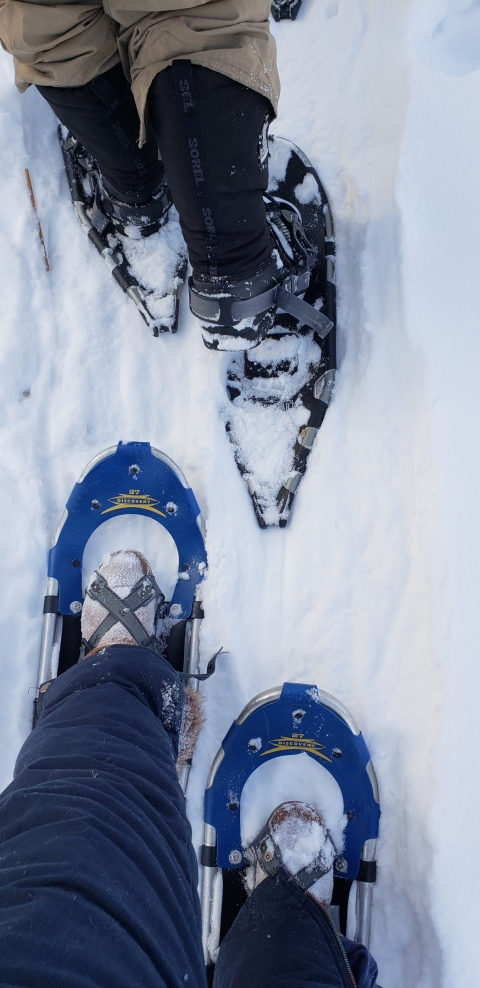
372,591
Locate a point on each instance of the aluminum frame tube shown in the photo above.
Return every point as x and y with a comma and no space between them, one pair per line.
48,637
363,903
211,900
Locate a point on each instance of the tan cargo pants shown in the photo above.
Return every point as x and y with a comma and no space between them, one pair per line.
68,44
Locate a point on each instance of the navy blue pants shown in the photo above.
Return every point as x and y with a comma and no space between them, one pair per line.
98,877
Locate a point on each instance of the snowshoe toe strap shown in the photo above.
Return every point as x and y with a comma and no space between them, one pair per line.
123,609
269,857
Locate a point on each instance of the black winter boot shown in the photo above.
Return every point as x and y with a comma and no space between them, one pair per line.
237,314
144,217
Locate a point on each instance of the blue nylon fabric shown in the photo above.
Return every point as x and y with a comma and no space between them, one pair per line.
282,939
363,966
98,878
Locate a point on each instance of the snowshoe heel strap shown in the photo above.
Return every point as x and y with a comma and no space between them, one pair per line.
269,858
121,609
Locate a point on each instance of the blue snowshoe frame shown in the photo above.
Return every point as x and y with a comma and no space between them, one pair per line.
130,478
283,721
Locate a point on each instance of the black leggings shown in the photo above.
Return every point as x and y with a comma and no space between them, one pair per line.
211,132
103,117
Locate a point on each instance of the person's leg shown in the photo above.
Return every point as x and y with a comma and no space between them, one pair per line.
211,132
282,937
212,135
102,115
97,871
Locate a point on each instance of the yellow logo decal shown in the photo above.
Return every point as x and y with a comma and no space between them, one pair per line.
134,500
297,742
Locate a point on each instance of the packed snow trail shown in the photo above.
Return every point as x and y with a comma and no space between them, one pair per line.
371,592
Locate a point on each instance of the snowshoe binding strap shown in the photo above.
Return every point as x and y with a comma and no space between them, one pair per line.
122,610
147,216
269,858
227,310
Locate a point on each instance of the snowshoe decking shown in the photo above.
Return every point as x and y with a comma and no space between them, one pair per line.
124,479
280,390
283,721
157,304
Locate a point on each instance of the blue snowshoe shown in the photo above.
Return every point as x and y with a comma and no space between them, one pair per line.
131,478
293,720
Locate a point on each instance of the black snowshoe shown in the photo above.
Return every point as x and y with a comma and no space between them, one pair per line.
280,390
129,237
285,9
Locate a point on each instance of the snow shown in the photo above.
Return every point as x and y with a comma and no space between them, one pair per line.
372,591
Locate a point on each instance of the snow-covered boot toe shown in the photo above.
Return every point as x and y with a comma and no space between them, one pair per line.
296,838
123,603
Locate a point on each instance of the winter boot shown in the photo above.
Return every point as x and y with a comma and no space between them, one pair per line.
237,314
138,238
130,218
123,603
294,837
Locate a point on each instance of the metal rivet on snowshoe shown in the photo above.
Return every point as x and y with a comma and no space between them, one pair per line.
337,752
233,806
267,856
75,563
133,470
44,687
298,715
184,567
341,865
171,508
76,607
95,587
350,815
95,505
235,857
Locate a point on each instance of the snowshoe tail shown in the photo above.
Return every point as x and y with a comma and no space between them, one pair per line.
80,171
279,392
285,9
287,721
